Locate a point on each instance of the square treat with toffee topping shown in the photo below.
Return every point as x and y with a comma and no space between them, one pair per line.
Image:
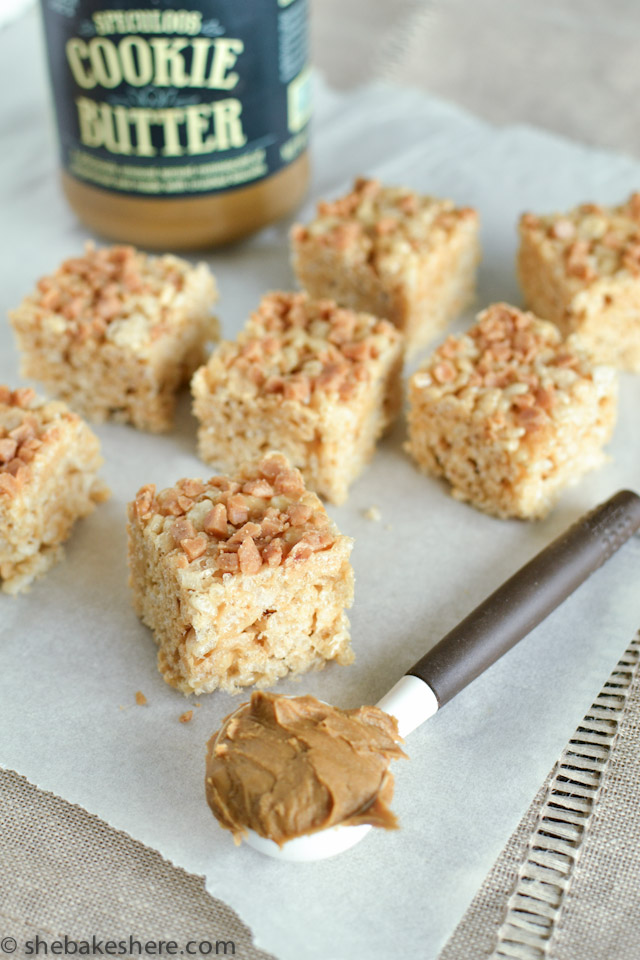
318,382
581,270
115,333
509,413
49,460
391,252
243,581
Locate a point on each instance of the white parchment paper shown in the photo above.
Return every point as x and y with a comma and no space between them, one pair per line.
73,654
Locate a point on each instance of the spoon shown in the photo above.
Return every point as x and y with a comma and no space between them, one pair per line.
488,632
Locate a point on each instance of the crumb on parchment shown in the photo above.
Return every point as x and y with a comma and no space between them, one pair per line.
141,700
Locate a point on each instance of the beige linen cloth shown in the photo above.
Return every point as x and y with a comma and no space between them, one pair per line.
567,884
64,871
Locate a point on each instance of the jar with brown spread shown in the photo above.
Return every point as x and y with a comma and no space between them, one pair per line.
180,127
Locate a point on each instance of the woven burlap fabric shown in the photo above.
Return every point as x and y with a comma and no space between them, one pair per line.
66,872
475,936
598,916
600,919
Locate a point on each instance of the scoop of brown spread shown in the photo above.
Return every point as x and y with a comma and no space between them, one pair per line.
287,766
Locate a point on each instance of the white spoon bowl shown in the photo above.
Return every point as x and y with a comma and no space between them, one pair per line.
411,702
313,846
484,636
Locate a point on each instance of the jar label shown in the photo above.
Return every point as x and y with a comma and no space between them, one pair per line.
153,100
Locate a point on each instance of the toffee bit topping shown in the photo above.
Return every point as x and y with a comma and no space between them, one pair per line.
23,430
183,529
373,222
258,488
273,552
8,484
518,357
444,372
107,284
386,225
593,241
289,483
228,562
272,467
249,529
192,488
144,501
8,448
28,449
249,556
194,547
530,221
228,527
633,206
631,257
300,348
577,260
237,509
363,189
298,513
215,522
23,397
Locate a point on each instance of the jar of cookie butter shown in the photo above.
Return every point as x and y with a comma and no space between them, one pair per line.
180,127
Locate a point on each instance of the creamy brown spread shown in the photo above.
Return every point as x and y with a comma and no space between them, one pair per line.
288,766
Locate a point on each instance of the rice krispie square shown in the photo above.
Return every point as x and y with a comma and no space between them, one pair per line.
581,270
243,581
49,460
510,413
318,382
389,251
115,333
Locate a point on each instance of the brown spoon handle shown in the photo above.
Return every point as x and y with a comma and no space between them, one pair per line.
520,604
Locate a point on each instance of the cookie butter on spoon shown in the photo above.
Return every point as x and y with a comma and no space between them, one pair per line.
302,780
286,767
